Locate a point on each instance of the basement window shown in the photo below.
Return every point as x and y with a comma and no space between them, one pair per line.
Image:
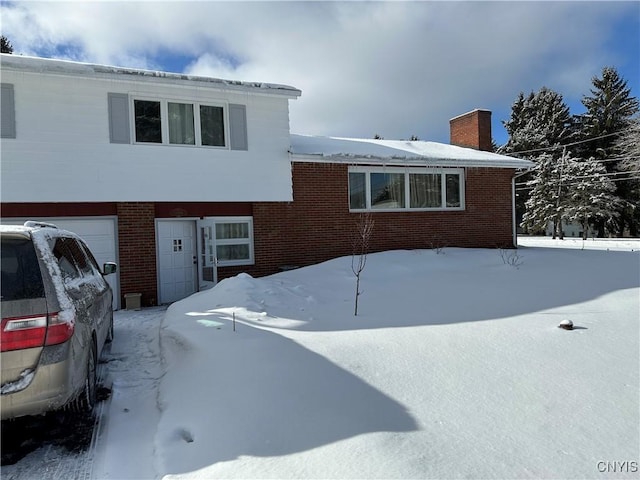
405,189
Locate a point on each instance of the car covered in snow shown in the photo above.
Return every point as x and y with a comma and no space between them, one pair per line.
57,315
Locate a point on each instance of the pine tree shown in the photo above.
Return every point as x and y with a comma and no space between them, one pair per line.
590,195
570,190
627,146
545,191
5,45
540,122
610,109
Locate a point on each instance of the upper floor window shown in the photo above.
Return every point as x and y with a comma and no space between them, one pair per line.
148,121
391,189
178,123
166,122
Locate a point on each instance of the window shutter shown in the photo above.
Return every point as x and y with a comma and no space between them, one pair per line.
238,127
8,114
119,131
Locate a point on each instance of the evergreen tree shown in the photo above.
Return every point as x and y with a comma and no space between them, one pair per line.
590,196
5,45
541,122
569,190
545,191
628,145
609,111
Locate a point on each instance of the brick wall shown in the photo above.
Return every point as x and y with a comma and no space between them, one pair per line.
137,244
472,130
318,226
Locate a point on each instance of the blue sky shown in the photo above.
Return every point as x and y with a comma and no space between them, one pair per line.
394,69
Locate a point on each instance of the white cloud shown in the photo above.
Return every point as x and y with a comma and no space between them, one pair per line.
392,68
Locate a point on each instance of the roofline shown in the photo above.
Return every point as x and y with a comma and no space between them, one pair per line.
516,164
469,112
73,68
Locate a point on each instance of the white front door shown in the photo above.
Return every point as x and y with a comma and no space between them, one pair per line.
177,261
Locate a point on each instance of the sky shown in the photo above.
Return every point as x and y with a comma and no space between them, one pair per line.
394,69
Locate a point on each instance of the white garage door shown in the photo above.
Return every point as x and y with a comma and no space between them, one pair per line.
99,233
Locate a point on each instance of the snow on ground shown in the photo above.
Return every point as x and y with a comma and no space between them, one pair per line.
454,368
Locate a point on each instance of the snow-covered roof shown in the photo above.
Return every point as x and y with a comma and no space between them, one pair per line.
67,67
396,152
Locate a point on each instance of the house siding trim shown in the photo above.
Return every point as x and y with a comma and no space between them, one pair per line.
8,111
119,130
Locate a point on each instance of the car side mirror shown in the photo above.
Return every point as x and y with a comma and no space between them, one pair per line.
108,268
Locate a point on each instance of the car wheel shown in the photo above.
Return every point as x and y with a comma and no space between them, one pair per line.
110,332
87,399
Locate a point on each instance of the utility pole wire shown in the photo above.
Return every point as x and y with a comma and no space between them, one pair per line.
557,147
600,175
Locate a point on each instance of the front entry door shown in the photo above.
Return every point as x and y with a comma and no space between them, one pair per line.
207,261
176,259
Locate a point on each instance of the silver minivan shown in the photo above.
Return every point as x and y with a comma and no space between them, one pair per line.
56,317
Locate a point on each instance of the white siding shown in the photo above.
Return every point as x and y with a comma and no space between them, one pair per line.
62,152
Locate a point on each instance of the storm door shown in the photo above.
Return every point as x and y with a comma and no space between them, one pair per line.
223,242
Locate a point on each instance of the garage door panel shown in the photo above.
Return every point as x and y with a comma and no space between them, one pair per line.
100,236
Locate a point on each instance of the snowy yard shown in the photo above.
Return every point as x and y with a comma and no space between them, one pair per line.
454,368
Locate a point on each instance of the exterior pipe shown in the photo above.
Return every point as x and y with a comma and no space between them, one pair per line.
513,211
513,204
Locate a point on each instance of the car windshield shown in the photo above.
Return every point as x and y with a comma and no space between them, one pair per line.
21,277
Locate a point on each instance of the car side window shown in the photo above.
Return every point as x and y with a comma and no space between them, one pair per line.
80,257
92,264
72,259
66,262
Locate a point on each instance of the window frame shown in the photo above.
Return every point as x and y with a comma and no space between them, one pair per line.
234,241
164,120
407,171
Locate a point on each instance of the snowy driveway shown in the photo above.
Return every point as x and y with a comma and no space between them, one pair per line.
125,423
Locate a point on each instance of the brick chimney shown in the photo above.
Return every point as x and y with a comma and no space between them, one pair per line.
472,130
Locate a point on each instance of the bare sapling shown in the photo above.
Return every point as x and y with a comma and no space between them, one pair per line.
511,257
364,228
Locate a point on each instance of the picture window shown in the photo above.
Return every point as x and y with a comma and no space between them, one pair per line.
393,189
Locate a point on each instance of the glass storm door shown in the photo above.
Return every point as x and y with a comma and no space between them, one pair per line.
207,261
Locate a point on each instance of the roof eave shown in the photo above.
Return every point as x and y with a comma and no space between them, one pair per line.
409,161
89,70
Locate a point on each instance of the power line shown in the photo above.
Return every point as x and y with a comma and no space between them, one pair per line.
599,175
556,147
523,186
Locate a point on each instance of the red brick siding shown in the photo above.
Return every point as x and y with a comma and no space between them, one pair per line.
315,227
137,244
318,226
472,130
201,209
